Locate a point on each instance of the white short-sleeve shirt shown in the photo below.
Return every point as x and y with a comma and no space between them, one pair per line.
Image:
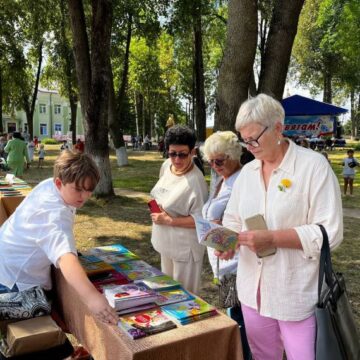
37,234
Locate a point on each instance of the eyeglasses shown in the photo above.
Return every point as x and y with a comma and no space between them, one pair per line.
254,142
217,162
180,155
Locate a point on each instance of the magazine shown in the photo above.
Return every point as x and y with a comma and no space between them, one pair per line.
145,323
108,249
214,235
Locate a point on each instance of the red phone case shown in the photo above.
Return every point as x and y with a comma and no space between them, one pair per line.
153,206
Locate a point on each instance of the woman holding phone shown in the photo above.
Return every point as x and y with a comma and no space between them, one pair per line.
180,193
294,189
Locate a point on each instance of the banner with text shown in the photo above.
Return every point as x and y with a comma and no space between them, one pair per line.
309,126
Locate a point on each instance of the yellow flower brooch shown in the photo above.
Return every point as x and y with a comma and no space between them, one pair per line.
284,184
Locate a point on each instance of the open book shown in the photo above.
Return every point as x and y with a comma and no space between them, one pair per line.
214,235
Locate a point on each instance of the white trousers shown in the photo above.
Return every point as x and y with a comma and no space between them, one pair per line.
186,272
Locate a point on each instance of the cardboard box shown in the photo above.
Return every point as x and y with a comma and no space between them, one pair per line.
8,206
33,335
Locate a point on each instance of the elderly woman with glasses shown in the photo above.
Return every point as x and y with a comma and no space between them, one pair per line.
180,192
223,152
294,189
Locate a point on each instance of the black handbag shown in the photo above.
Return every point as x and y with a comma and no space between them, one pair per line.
337,337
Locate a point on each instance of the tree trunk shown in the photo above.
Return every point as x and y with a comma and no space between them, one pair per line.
352,114
1,104
283,28
94,82
327,97
237,66
73,109
200,111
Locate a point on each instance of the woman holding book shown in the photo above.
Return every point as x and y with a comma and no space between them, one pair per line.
222,150
180,192
294,189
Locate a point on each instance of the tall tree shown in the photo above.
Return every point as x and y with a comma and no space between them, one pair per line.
236,73
94,81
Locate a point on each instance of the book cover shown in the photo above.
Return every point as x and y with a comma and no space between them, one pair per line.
117,258
134,265
135,275
172,296
189,311
108,249
108,279
214,235
129,295
94,268
136,308
145,323
87,258
162,282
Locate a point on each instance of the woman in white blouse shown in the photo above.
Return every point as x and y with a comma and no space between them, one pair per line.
294,189
181,193
222,150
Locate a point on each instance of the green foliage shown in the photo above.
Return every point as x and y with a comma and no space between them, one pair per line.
49,141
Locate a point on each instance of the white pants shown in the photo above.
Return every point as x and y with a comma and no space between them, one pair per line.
186,272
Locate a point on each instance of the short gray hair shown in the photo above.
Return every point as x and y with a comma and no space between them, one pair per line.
261,109
222,142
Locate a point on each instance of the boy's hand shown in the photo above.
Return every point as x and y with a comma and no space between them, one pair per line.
100,307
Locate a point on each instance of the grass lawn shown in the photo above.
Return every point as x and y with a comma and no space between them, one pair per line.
126,220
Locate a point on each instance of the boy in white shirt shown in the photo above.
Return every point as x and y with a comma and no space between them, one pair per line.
40,234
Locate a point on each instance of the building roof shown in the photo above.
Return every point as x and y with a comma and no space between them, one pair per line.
297,105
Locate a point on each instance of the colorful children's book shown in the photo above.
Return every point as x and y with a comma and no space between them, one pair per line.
94,268
108,249
130,295
109,279
189,311
87,258
145,323
117,258
134,265
135,275
136,309
162,282
172,296
214,235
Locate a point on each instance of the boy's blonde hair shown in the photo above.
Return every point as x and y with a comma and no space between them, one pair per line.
75,167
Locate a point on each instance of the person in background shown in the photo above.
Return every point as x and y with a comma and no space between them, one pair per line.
349,164
222,150
79,146
2,147
17,154
181,193
294,189
36,142
31,149
41,155
29,248
64,146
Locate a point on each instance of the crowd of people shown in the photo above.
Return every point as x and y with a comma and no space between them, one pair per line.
292,187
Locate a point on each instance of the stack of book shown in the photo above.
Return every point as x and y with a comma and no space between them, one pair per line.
129,296
162,282
187,312
145,323
171,296
94,266
108,279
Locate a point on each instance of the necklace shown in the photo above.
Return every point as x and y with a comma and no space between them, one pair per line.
182,172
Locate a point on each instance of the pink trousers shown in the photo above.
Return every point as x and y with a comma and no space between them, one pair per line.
269,337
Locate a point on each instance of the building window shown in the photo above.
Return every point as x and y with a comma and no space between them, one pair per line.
58,128
57,109
42,109
43,129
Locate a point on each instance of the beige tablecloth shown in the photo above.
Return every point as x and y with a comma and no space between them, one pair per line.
216,338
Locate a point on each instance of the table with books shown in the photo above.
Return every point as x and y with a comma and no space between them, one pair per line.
158,319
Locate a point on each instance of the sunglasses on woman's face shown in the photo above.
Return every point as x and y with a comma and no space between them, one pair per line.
217,162
180,155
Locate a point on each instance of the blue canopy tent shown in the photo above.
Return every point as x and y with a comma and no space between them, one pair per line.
308,117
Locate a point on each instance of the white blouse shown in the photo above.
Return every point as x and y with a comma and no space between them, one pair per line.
287,280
